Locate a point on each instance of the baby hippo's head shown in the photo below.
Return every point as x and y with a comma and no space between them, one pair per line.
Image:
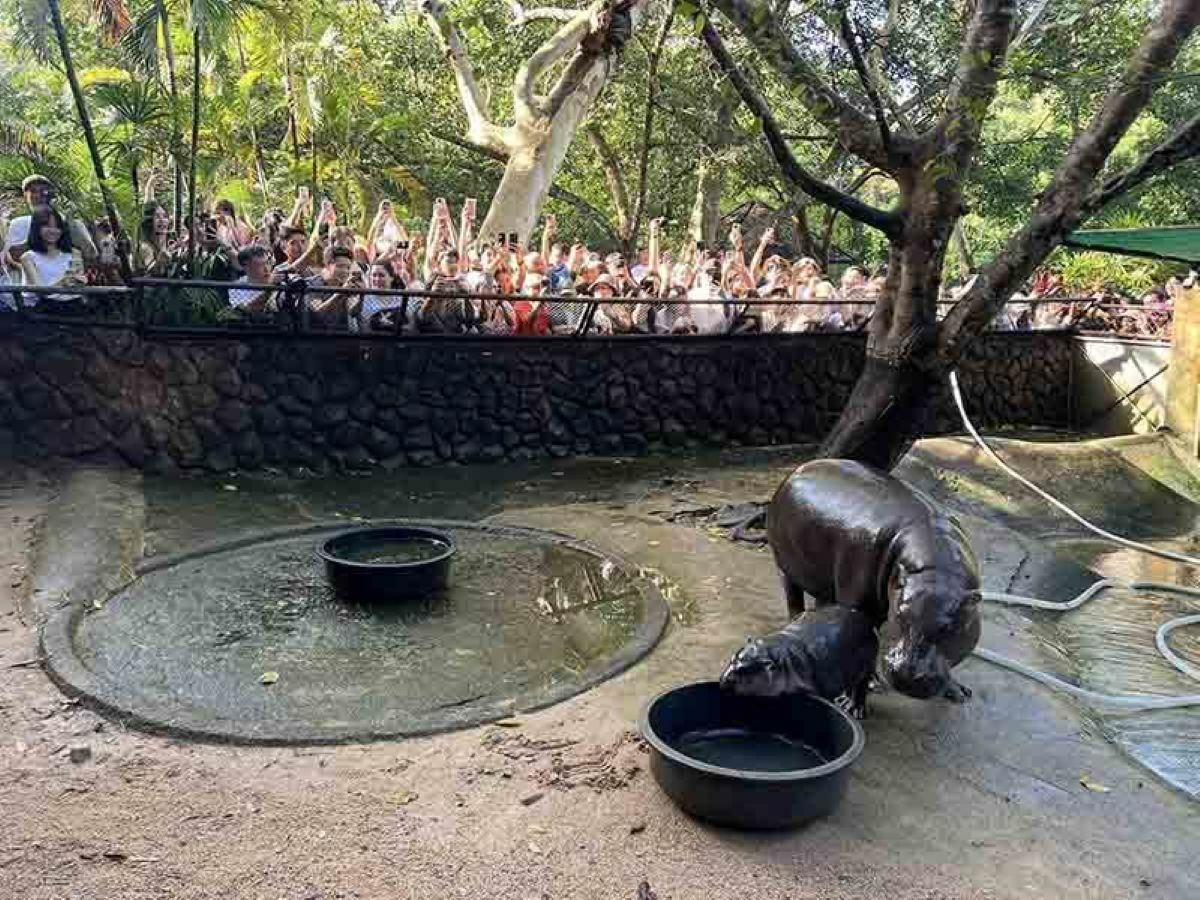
763,668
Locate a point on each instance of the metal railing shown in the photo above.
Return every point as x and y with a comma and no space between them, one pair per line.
174,306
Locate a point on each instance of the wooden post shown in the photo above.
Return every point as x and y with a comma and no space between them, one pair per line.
1183,399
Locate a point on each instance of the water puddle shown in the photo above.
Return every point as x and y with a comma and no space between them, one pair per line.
525,619
1107,645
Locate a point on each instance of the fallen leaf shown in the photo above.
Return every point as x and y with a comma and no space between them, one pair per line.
404,797
229,487
268,678
510,723
1093,786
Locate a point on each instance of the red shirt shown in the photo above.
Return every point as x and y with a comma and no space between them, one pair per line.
527,322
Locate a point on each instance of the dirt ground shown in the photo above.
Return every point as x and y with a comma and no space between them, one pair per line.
561,806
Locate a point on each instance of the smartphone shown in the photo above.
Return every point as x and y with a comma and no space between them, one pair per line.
514,238
701,246
303,193
500,242
403,245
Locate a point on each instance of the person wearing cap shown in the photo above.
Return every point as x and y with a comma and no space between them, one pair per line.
39,191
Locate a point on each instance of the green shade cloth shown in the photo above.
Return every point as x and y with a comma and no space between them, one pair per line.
1179,243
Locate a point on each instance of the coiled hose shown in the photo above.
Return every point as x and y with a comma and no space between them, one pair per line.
1116,703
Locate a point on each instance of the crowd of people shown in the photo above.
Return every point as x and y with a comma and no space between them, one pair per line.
306,264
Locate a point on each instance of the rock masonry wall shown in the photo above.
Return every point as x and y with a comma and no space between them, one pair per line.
166,403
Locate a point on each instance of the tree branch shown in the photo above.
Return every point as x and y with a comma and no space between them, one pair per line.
521,15
854,130
529,107
614,178
1067,200
868,82
887,222
610,19
655,54
956,135
480,129
1182,145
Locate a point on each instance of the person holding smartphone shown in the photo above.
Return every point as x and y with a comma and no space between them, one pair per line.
39,191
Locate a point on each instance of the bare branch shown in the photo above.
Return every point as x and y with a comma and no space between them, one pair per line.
985,46
480,129
521,15
614,177
850,39
529,107
887,222
1067,200
1182,145
854,130
600,47
654,54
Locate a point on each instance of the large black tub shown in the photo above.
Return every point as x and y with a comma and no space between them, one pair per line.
750,762
388,564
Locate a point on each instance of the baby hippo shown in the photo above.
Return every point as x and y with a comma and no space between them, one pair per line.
829,652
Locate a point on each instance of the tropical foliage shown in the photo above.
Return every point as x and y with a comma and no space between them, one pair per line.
355,100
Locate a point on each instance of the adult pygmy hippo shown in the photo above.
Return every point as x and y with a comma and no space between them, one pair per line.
849,535
829,652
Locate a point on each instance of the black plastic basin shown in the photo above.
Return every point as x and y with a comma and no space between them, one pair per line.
750,762
389,564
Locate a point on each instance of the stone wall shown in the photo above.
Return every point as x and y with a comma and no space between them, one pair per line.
165,403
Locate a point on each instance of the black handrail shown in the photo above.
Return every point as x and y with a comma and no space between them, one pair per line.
294,313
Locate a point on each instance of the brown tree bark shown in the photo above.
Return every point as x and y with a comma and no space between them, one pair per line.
908,352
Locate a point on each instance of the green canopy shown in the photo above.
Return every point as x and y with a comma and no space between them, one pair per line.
1178,243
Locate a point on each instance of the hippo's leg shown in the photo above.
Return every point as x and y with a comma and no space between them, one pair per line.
854,702
957,692
795,597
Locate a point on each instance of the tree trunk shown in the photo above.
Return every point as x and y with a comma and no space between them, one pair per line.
532,166
135,178
85,122
176,131
889,405
545,124
289,96
705,222
193,231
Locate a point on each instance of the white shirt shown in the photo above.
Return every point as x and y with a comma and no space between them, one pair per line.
18,231
50,269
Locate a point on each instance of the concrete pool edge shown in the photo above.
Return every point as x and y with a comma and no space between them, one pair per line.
67,671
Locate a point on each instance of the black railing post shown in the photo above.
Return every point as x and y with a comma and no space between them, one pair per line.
400,322
585,322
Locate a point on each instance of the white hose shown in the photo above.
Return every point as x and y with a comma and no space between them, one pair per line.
1127,702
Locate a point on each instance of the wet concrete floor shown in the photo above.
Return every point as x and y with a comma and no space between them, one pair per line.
999,797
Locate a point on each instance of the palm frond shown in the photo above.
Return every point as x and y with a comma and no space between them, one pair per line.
19,139
136,103
34,32
113,18
139,44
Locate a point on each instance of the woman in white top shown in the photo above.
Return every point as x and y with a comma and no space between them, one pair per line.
48,261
